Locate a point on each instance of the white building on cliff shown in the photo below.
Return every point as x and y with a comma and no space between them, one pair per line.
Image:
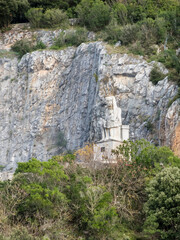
113,132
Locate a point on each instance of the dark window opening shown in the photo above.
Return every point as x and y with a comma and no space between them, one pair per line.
103,149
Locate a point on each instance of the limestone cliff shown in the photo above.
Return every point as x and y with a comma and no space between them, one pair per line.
49,96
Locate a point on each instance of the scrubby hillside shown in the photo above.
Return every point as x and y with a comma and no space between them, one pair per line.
60,199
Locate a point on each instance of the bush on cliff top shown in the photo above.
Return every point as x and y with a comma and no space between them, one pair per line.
49,19
25,46
94,14
71,38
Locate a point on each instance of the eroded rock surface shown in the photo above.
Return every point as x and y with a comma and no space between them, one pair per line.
48,94
22,31
172,127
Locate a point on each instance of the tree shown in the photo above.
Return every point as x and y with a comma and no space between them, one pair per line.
54,18
91,206
120,13
94,14
162,208
12,10
47,4
146,154
34,15
23,6
41,181
8,9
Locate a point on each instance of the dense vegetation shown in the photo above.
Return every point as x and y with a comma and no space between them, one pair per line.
147,27
137,199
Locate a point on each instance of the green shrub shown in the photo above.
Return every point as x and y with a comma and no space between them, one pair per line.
152,31
23,7
50,18
120,13
91,207
39,45
41,182
126,34
139,10
163,203
49,4
73,38
61,141
171,61
34,15
112,33
1,167
137,49
172,19
126,182
22,47
10,9
160,30
54,18
77,37
146,154
150,126
156,75
18,233
21,234
94,14
135,12
25,46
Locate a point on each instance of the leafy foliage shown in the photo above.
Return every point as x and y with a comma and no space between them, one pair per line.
90,205
48,201
22,47
25,46
171,61
48,4
50,18
34,15
156,75
94,14
19,234
7,11
41,184
71,38
54,18
145,154
162,207
120,13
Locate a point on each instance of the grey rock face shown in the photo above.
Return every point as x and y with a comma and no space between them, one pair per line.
171,123
45,94
17,34
49,94
144,106
22,31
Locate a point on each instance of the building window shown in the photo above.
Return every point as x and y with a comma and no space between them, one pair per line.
103,149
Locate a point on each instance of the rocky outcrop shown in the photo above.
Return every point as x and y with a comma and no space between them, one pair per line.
22,31
172,127
49,97
176,141
144,105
